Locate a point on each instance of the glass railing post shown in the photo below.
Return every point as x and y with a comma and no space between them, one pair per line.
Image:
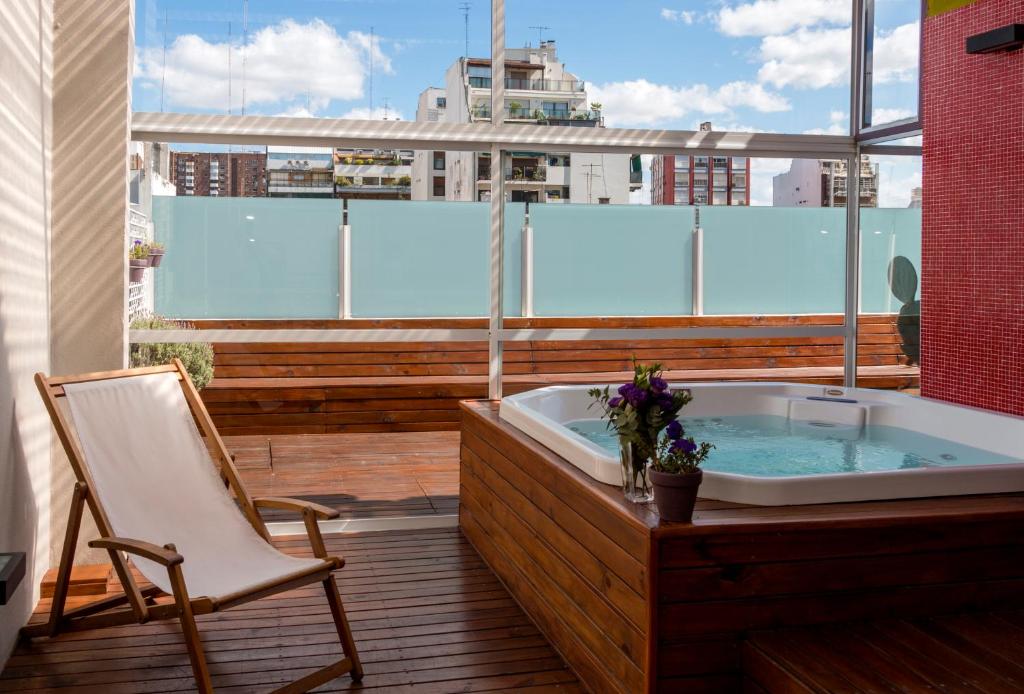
697,273
344,264
526,290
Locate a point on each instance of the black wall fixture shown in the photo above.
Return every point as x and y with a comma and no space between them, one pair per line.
1007,38
12,569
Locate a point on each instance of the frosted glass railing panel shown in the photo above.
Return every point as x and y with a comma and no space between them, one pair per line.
773,260
885,234
247,257
612,260
427,259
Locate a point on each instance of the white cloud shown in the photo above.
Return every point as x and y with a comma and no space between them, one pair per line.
643,103
880,116
767,17
897,177
896,54
682,16
839,124
806,59
815,58
761,173
378,113
279,68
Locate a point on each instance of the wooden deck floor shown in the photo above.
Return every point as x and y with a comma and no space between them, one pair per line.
427,614
361,475
951,653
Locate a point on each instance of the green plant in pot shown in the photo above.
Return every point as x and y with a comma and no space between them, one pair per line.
643,413
196,356
138,261
903,284
156,254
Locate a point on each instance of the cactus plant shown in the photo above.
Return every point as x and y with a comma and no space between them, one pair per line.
903,284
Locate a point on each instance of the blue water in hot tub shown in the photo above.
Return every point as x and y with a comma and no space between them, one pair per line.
773,446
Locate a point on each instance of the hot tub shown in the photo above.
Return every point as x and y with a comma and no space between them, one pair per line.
783,443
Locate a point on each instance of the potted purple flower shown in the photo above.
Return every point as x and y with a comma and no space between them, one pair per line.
639,412
138,261
676,473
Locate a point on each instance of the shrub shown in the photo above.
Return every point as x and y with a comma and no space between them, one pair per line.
196,356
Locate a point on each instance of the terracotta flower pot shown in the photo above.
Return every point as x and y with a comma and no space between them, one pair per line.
675,495
137,269
155,258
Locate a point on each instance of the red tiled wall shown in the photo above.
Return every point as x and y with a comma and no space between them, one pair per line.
972,266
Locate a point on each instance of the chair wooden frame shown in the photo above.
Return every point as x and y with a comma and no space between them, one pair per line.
142,605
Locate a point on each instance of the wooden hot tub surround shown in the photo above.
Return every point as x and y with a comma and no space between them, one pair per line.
633,605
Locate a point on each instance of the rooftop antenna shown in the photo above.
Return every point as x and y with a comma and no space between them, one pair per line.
540,34
245,40
386,110
371,72
465,7
163,70
590,179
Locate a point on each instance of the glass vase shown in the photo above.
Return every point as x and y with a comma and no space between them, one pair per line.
636,478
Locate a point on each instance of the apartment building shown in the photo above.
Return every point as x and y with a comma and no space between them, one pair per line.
538,91
300,172
372,174
823,183
223,174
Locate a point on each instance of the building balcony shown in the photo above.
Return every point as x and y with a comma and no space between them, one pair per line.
573,119
538,85
524,174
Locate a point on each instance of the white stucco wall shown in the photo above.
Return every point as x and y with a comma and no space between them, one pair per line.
25,149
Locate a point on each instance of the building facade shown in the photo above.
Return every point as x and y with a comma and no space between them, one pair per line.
688,180
538,91
219,174
822,183
300,172
372,174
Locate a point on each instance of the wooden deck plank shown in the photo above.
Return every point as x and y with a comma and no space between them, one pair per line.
450,628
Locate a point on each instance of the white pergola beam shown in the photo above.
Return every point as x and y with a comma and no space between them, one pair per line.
476,137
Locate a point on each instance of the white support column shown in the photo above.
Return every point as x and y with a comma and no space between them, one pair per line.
852,270
344,265
494,343
697,272
526,273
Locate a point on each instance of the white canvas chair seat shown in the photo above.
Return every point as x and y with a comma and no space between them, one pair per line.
153,475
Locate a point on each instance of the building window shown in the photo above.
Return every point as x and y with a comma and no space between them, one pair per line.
604,201
438,161
682,194
438,186
442,102
739,163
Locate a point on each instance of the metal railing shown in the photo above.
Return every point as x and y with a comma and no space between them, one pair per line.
521,84
526,173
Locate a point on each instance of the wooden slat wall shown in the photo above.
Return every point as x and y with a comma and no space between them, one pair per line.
282,388
581,574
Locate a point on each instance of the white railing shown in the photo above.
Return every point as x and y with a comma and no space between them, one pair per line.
140,294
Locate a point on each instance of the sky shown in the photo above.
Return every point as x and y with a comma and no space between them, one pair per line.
745,65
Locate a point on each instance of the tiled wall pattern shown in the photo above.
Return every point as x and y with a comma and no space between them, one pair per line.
972,275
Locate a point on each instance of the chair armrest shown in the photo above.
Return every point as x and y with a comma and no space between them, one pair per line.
147,550
298,505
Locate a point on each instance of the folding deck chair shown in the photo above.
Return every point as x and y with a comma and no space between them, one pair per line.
190,526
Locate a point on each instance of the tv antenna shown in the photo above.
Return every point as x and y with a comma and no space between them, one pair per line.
386,109
540,34
465,7
590,175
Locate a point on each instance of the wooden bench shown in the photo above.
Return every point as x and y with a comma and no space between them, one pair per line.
978,652
292,388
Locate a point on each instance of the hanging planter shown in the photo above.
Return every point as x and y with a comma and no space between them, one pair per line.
156,254
138,261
